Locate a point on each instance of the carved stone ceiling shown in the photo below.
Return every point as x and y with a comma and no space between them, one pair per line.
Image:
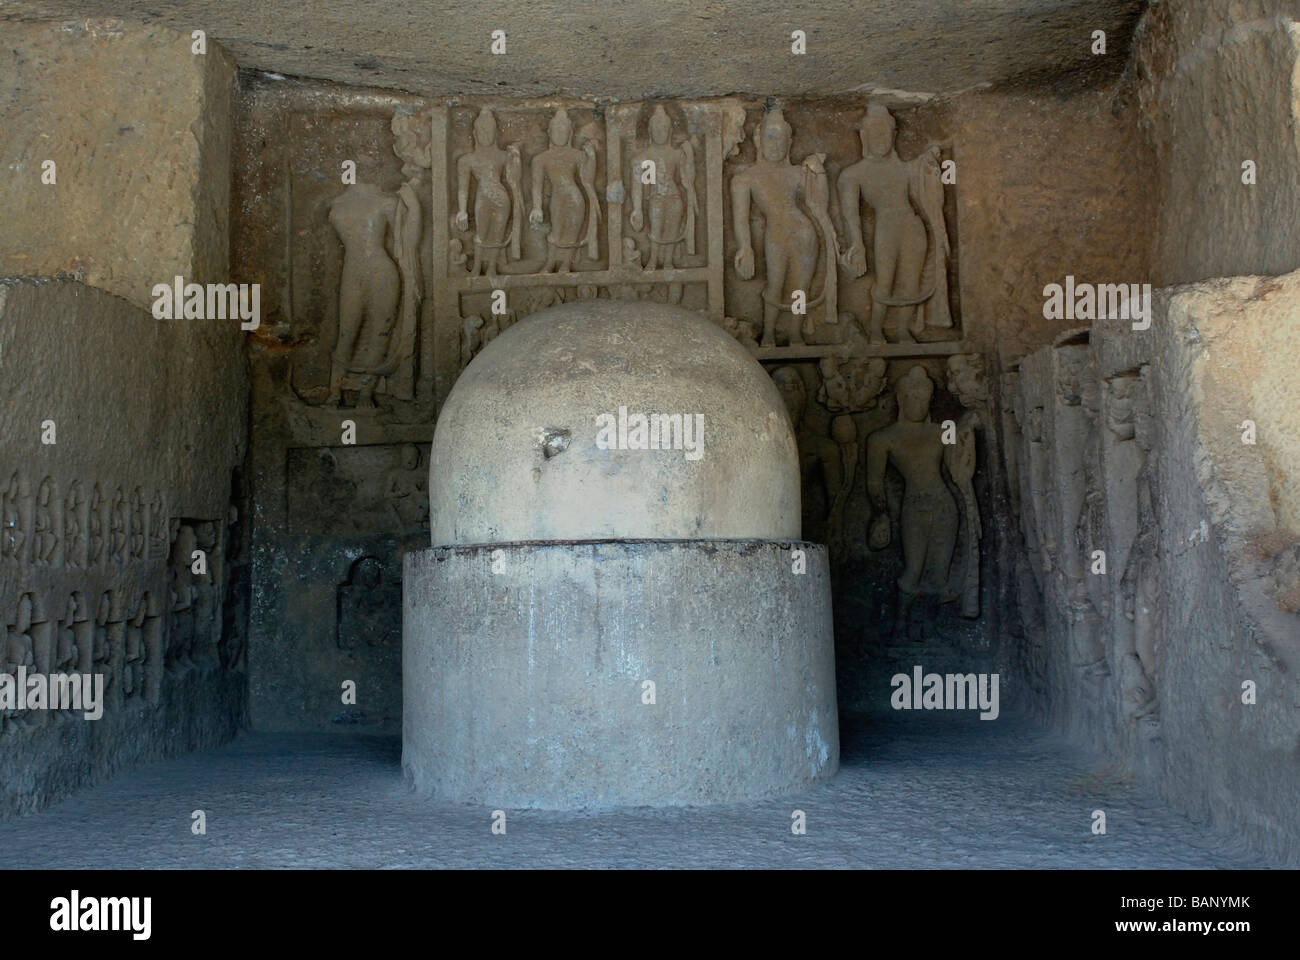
630,49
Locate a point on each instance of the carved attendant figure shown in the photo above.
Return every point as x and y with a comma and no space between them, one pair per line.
95,523
45,539
967,382
372,225
17,519
670,196
117,528
928,524
138,537
497,173
907,199
74,527
817,450
158,532
776,186
569,172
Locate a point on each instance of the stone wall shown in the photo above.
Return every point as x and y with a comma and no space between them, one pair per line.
1217,87
1153,473
123,435
121,438
1161,565
138,128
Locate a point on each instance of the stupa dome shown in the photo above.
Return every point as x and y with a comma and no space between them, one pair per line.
582,422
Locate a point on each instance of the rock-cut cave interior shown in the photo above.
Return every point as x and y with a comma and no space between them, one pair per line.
681,431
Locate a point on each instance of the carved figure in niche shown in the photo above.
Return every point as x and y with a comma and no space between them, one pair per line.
405,489
567,175
107,647
790,243
158,527
204,589
20,651
1043,538
588,143
818,451
1133,535
742,330
73,653
182,590
45,538
848,386
632,260
117,527
668,202
910,248
967,382
733,129
929,519
139,540
95,527
1141,586
456,253
475,334
74,527
471,338
851,385
17,519
497,173
1075,441
413,146
140,655
375,337
365,608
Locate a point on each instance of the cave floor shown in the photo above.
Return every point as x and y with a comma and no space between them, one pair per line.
914,791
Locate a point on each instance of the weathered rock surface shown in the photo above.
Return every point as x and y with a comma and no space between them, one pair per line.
139,130
1217,87
603,48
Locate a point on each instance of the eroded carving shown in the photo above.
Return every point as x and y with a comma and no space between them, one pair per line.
364,605
18,519
1136,535
74,527
117,528
406,489
45,538
378,298
824,450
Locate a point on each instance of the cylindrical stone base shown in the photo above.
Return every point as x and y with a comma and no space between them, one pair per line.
595,674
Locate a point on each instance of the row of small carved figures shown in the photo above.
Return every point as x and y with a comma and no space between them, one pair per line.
133,651
80,531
